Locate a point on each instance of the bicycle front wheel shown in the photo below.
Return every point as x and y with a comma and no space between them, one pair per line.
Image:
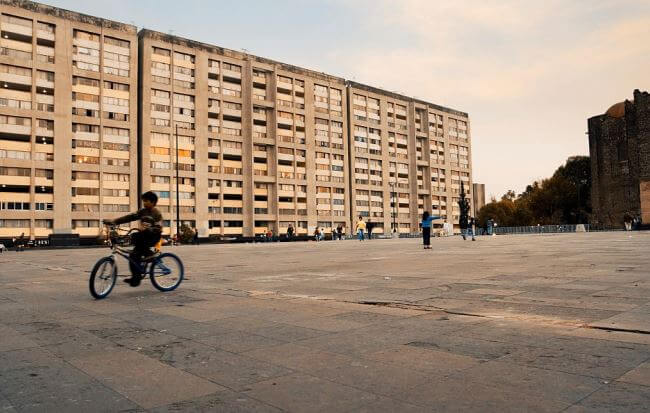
166,272
102,277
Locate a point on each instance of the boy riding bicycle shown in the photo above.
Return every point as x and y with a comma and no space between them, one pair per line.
148,236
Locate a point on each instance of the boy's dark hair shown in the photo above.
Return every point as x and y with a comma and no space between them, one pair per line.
425,215
150,196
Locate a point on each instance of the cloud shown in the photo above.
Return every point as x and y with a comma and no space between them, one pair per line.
528,73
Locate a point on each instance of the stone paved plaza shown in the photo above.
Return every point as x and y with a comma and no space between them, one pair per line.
509,323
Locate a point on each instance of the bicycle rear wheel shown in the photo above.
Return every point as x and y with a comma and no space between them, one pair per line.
166,272
102,277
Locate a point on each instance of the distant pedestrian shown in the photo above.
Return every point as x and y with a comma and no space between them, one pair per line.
361,226
369,226
195,238
339,231
290,232
426,228
470,228
20,244
627,221
269,235
334,234
317,234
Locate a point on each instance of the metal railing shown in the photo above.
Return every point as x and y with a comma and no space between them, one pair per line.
542,229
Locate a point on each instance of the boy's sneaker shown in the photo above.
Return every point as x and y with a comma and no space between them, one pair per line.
133,281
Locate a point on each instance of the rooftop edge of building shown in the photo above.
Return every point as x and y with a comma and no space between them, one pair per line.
394,95
608,113
173,39
69,15
194,44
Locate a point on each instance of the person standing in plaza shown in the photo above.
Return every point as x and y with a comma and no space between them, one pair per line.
627,221
317,234
369,227
470,228
339,231
361,226
195,238
290,232
426,228
463,222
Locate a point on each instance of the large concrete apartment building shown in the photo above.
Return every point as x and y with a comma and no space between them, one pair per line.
68,124
406,156
261,144
92,113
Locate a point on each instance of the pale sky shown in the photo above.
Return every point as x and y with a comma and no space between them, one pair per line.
529,73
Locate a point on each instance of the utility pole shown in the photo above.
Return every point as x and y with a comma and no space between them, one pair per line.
178,207
393,196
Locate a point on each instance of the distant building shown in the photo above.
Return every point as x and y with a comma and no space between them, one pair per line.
68,120
93,113
619,146
478,191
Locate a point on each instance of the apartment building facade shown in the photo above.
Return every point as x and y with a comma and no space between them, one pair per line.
406,156
261,144
93,113
68,120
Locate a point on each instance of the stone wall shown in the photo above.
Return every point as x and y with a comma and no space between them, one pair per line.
619,147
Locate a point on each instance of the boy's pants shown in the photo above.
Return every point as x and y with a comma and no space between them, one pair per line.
360,235
141,241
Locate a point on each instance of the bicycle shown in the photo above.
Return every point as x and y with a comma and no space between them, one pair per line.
165,269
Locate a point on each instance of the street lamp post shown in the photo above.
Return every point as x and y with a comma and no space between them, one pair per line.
394,202
178,208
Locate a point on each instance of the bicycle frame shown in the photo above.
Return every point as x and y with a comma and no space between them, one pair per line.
114,239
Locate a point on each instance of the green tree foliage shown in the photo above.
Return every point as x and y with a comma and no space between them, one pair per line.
564,198
186,234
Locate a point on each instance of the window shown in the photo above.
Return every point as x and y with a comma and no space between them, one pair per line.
116,42
231,67
85,223
183,56
160,52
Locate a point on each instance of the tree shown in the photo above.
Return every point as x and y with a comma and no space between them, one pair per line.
186,234
564,198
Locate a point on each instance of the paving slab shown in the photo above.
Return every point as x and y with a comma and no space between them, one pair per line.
223,401
629,321
544,384
303,393
507,323
615,397
639,375
234,371
147,382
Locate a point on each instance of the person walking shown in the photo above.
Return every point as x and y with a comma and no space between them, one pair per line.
290,232
317,234
369,227
20,246
339,230
470,228
426,228
195,238
361,226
